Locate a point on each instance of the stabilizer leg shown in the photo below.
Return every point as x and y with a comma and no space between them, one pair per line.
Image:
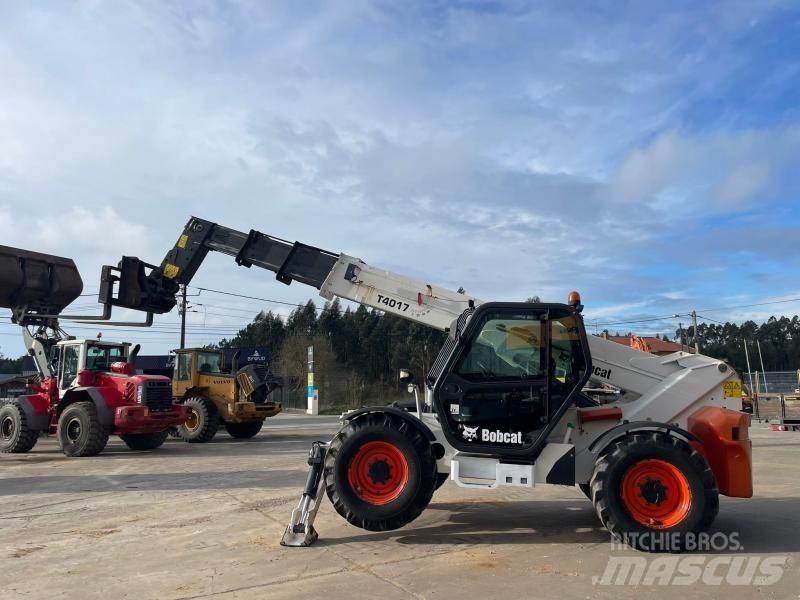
300,532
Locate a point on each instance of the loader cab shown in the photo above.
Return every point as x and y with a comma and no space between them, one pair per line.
510,375
73,356
198,368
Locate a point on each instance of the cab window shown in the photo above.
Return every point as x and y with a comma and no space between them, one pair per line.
69,365
100,357
209,362
508,348
184,366
566,358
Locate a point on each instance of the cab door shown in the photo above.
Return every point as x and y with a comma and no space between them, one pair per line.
183,376
68,368
512,373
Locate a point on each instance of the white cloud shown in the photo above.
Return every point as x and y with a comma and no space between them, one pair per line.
502,148
720,172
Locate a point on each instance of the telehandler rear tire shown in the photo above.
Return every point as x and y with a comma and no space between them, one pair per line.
380,472
80,432
15,435
654,492
244,430
203,421
145,441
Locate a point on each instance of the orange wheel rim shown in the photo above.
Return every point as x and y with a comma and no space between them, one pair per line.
656,493
193,422
378,473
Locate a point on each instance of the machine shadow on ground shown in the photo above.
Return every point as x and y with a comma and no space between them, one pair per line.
569,522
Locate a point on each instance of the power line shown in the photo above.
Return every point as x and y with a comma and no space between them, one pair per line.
687,313
749,305
710,319
269,300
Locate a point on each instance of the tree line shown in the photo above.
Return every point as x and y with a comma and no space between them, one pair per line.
779,338
357,352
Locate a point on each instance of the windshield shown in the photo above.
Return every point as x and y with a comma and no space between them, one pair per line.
209,362
509,347
100,357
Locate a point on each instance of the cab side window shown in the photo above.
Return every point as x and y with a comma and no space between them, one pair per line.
508,348
184,367
69,367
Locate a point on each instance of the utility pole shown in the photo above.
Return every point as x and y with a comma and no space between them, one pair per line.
761,358
749,370
183,316
680,328
696,334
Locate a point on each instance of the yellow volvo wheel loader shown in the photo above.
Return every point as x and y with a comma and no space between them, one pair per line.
239,400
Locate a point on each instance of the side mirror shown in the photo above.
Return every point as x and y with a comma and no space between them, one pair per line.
406,376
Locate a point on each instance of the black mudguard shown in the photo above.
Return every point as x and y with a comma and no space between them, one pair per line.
392,410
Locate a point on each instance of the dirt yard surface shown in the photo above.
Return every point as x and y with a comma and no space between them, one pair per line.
204,521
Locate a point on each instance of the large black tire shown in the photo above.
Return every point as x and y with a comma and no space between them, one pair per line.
244,430
203,421
639,473
144,441
80,432
401,503
15,435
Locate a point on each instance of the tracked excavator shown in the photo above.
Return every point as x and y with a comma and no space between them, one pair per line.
503,404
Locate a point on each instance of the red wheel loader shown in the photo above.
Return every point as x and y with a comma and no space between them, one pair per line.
86,390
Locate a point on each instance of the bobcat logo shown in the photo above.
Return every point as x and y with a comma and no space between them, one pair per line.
470,433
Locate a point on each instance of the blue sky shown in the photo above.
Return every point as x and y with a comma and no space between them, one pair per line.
645,156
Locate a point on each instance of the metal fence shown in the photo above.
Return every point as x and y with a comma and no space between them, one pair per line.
291,398
769,407
773,382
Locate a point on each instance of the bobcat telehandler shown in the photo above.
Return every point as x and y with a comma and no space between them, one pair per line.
86,389
239,400
503,404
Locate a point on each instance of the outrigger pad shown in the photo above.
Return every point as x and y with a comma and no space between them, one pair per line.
36,282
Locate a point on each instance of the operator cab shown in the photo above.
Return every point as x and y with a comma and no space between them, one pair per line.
73,356
510,375
191,363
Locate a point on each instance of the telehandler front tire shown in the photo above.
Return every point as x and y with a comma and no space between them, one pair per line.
244,430
15,435
380,472
80,432
203,421
654,492
145,441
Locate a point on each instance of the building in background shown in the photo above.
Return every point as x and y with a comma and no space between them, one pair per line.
653,345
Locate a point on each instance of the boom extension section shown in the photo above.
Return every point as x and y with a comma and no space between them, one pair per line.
332,274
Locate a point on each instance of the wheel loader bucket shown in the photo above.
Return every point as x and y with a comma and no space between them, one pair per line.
35,282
